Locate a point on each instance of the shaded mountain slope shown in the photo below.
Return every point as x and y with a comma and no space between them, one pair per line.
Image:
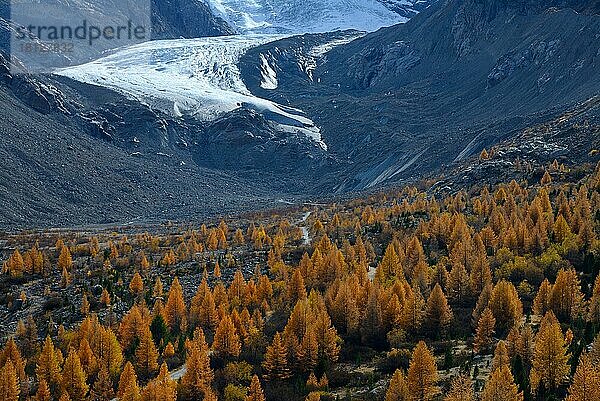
460,76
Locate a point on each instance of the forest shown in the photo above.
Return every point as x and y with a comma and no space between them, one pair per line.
490,294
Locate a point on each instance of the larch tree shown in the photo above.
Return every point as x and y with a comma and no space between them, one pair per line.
103,386
461,389
169,351
105,298
275,363
65,261
131,393
501,356
43,392
550,365
146,354
175,307
157,290
255,392
501,387
85,305
65,278
226,343
566,298
136,286
144,264
166,386
108,351
128,381
296,290
438,312
389,267
11,353
422,374
48,367
458,285
485,331
313,396
87,358
541,302
208,317
506,306
594,306
546,179
9,383
481,274
398,389
198,376
413,312
74,377
586,381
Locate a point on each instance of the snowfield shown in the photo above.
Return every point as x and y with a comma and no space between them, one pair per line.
305,16
195,77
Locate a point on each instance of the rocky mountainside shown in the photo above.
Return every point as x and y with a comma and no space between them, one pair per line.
187,19
290,118
462,75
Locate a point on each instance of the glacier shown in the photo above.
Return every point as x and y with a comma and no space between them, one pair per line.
305,16
201,77
194,77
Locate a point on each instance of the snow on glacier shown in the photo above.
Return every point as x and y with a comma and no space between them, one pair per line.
304,16
196,77
201,78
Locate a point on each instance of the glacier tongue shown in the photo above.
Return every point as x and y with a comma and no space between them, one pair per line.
197,77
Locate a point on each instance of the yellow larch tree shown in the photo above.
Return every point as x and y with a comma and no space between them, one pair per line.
226,343
438,312
541,302
275,363
198,376
11,353
506,306
485,331
105,297
103,386
9,383
146,354
586,381
65,261
566,298
255,393
175,307
550,365
501,387
461,389
43,392
422,374
501,356
74,377
128,381
398,389
136,286
48,367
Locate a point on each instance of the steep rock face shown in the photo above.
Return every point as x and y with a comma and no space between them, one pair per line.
186,18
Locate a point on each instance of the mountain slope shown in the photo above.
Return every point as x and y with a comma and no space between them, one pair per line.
462,75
